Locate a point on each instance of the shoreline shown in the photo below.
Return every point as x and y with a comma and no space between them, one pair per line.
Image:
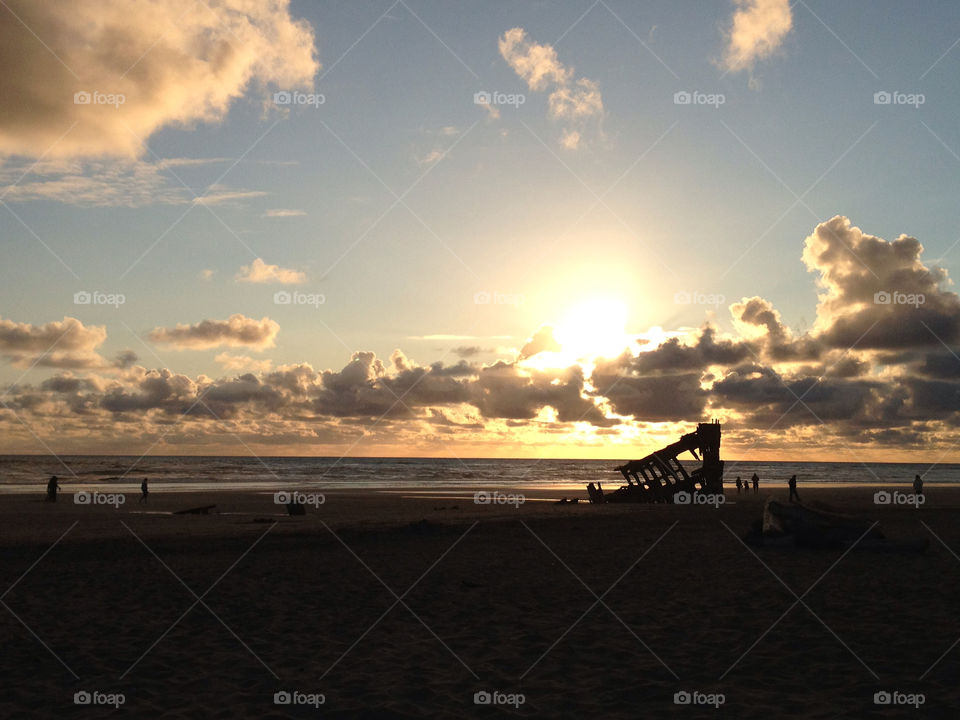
266,487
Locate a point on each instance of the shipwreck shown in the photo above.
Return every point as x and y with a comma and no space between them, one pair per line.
660,475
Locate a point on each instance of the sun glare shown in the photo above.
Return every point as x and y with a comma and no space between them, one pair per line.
590,329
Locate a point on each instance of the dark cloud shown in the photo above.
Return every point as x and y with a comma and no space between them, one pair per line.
60,344
878,294
236,331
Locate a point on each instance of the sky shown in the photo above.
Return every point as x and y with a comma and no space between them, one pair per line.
508,229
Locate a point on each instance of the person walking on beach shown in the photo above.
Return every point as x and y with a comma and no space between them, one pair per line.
918,485
739,484
756,483
53,487
144,490
792,483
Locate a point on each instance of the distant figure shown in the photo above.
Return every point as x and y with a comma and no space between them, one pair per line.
53,487
739,484
756,483
918,485
144,490
793,488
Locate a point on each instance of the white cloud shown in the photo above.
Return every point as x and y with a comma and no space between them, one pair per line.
570,139
757,30
219,194
243,362
119,182
283,212
174,62
575,102
260,272
430,157
537,64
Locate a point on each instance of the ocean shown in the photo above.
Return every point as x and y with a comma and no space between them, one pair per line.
27,473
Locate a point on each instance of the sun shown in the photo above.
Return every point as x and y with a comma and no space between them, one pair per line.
594,327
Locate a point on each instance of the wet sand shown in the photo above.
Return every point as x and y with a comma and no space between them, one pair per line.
404,605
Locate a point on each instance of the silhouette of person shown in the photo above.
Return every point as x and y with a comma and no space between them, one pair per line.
53,487
918,485
756,483
792,483
739,484
144,490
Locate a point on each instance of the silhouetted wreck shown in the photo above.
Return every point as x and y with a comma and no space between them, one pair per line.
660,476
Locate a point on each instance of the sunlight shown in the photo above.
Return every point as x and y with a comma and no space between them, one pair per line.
594,327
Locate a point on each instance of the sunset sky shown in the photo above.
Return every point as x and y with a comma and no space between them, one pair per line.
565,229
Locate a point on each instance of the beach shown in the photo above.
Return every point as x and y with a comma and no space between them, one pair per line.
405,604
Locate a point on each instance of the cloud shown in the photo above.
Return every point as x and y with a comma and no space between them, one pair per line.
119,182
775,389
430,157
243,362
537,64
236,331
504,390
442,336
219,194
283,212
206,274
542,341
756,31
878,294
468,351
575,102
260,272
174,62
63,344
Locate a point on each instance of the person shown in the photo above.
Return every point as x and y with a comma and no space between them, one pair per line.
144,491
53,487
918,485
739,484
792,483
756,483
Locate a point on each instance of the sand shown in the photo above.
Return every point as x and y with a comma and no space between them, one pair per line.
492,598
